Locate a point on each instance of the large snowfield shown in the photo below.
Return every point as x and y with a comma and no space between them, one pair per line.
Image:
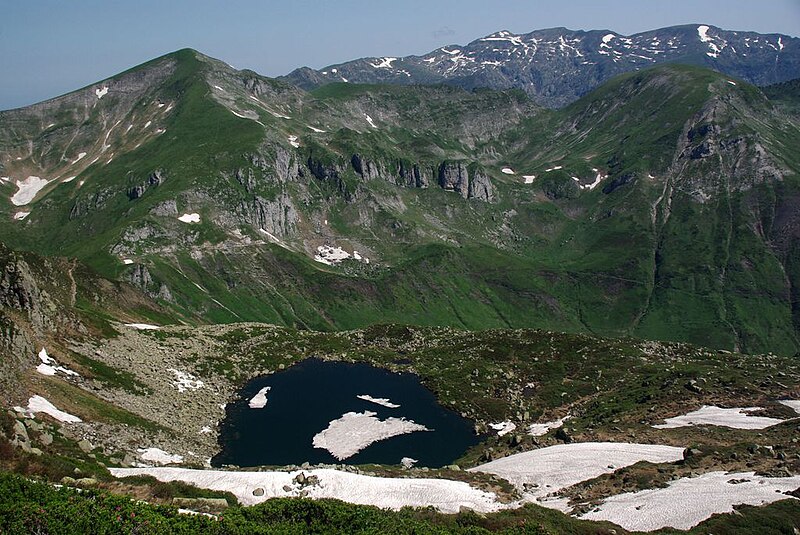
536,474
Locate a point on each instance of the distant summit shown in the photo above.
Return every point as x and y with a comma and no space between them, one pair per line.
556,66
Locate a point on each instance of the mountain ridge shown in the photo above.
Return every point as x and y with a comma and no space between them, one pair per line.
574,62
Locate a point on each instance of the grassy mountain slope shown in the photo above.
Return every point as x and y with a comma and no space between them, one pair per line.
661,205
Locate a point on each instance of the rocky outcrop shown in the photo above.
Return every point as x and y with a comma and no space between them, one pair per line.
287,169
367,169
453,176
330,173
155,179
165,209
412,176
246,178
93,203
278,216
480,188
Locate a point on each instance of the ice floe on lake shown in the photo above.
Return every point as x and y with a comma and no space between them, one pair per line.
688,501
379,401
259,401
354,431
736,418
40,404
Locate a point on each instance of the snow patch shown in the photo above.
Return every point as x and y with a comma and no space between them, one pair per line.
354,431
205,430
503,428
101,92
185,381
736,418
293,141
538,430
370,121
259,401
529,178
792,403
40,404
317,130
27,190
19,216
686,502
49,366
384,63
507,171
556,168
731,82
190,218
540,472
390,493
379,401
80,157
327,254
159,456
142,326
127,261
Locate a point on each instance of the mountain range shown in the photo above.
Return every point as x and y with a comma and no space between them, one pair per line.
661,204
556,66
584,243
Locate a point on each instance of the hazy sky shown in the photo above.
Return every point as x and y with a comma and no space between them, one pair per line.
50,47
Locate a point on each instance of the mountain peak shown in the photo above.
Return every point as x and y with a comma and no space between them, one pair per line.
555,66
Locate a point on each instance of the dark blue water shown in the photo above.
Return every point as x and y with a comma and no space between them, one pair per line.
306,397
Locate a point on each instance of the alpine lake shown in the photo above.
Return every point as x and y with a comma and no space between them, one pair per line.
305,399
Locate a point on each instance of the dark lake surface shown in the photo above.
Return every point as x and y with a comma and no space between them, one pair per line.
306,397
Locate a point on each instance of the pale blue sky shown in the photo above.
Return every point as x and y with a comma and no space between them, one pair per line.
50,47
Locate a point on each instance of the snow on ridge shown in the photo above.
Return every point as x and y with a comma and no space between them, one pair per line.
678,506
27,190
185,381
159,456
607,39
190,218
354,431
259,401
702,31
386,402
736,418
384,63
101,92
40,404
503,428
